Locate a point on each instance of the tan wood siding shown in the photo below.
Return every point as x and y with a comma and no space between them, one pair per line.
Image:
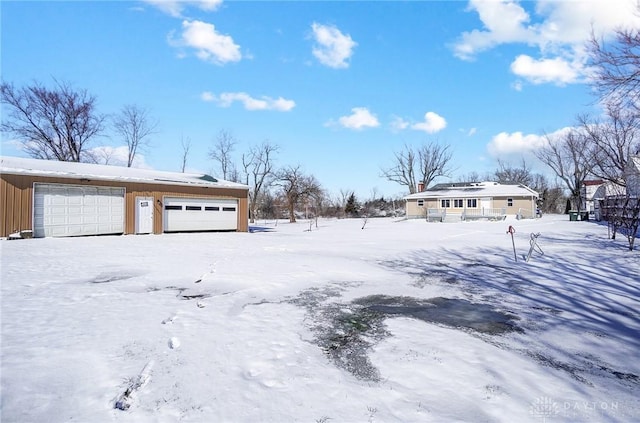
16,205
16,196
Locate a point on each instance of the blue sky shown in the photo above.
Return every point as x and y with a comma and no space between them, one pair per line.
338,86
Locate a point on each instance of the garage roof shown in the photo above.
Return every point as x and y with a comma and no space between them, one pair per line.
73,170
475,190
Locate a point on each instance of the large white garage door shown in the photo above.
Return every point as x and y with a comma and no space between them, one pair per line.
200,214
73,210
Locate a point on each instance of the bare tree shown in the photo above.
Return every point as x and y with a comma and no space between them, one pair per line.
221,152
53,124
472,176
258,166
553,199
338,202
320,204
515,175
550,198
434,159
613,141
431,161
135,126
101,155
617,66
623,213
343,198
296,187
268,205
186,146
403,169
568,158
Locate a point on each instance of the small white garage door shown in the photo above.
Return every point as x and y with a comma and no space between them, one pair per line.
74,210
200,214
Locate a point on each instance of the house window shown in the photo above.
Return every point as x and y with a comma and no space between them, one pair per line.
509,202
445,204
472,203
458,203
420,203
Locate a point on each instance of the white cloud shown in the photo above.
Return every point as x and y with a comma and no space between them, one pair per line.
504,22
333,48
360,118
398,124
210,45
472,132
263,103
207,96
557,71
558,29
514,143
519,144
176,7
433,123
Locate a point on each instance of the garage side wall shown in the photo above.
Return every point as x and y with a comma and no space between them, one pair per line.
16,200
16,204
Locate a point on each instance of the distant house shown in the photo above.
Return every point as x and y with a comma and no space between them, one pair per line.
52,198
632,176
469,201
594,191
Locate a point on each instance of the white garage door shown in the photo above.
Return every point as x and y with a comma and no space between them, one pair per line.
73,210
200,214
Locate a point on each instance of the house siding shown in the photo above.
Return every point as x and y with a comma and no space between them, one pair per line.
632,174
16,197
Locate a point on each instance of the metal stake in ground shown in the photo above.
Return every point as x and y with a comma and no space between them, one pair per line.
512,231
534,246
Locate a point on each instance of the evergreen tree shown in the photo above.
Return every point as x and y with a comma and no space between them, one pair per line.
351,208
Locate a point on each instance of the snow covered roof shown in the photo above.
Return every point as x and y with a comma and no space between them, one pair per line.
73,170
475,190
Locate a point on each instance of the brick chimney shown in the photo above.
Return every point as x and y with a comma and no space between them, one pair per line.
420,186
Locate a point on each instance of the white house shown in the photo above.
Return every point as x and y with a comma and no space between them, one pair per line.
632,176
594,191
467,201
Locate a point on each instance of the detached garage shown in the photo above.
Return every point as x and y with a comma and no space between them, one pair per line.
52,198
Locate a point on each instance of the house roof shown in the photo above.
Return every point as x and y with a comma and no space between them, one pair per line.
475,190
73,170
593,182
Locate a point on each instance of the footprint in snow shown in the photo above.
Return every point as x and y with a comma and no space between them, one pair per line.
169,320
174,343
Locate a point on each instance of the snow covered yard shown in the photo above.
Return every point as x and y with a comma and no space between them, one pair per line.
286,324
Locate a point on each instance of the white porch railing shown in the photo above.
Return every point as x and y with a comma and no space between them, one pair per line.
484,213
438,215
